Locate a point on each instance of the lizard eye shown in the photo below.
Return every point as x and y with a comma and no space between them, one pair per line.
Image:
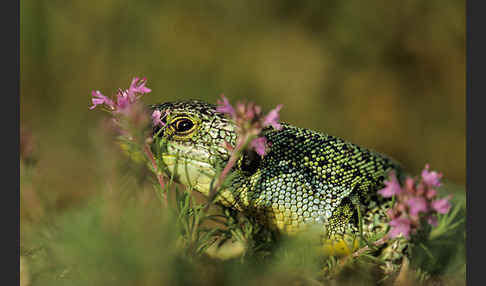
183,125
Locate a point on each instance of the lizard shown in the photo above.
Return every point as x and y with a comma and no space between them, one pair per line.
306,178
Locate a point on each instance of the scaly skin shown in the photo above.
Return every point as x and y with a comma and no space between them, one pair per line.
306,178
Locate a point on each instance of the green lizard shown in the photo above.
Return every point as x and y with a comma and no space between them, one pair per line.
306,178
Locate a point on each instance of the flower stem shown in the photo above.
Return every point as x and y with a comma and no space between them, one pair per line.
160,178
235,155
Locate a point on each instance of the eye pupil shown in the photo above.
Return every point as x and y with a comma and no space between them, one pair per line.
183,125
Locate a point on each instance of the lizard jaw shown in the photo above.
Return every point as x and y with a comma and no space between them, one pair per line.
192,173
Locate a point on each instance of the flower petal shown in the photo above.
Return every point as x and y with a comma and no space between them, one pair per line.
225,107
431,179
442,206
99,99
272,118
123,102
392,187
137,86
432,220
431,193
259,145
156,118
399,226
417,205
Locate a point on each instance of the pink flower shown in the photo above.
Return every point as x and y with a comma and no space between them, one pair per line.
409,184
431,179
432,220
273,117
157,118
249,112
259,145
399,226
123,101
430,194
124,98
99,99
250,121
137,86
442,206
392,187
417,205
225,107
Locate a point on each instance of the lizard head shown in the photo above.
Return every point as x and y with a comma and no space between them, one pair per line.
192,141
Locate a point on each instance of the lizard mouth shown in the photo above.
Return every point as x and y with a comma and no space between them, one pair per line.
195,174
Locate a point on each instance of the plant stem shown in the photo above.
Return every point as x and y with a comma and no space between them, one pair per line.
160,178
376,243
235,155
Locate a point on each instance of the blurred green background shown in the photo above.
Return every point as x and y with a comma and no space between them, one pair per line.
388,75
